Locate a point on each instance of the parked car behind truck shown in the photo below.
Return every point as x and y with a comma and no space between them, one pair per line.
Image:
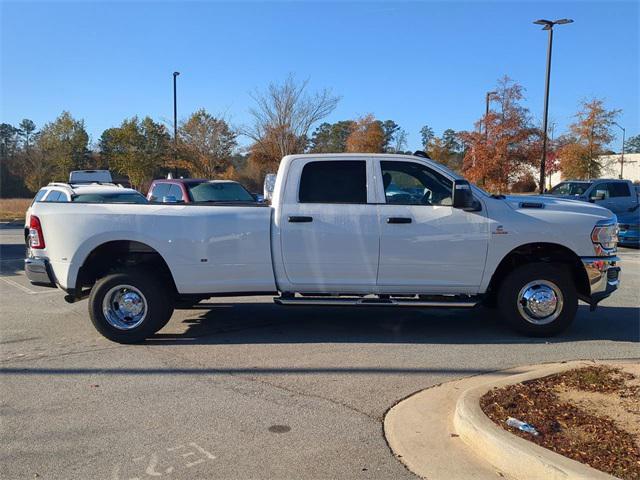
619,196
337,232
198,190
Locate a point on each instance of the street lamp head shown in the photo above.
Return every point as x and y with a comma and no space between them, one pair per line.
563,21
175,74
543,22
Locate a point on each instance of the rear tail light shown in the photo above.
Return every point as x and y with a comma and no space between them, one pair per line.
36,238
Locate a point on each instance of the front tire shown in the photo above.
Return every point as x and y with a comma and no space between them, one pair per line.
128,306
538,299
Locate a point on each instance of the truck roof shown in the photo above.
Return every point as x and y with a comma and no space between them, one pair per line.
598,180
92,187
387,156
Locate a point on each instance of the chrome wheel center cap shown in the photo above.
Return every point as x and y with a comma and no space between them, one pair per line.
131,304
540,302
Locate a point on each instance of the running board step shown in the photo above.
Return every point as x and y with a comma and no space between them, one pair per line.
375,302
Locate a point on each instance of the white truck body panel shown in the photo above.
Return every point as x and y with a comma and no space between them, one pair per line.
207,248
347,248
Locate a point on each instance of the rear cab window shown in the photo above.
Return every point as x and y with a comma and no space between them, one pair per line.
334,182
219,192
176,192
159,191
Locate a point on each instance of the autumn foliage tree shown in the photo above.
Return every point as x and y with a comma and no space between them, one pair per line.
205,145
588,137
367,136
506,145
137,148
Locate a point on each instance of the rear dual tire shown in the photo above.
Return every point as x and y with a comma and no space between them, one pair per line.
538,299
128,306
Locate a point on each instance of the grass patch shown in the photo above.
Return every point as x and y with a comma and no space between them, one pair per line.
13,208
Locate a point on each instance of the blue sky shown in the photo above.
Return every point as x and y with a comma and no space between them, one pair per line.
414,62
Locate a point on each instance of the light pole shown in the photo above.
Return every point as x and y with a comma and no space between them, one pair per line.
548,25
175,125
486,130
622,157
486,115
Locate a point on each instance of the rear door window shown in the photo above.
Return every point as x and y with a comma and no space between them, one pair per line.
619,189
334,182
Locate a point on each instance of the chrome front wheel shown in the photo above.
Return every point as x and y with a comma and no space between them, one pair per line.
538,299
540,302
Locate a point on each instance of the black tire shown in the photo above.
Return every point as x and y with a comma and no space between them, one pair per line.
552,278
159,305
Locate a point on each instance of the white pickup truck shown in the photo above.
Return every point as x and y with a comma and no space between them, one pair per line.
342,229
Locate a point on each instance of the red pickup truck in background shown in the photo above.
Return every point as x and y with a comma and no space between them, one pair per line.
198,190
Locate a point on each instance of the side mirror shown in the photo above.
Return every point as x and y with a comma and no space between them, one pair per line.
169,199
462,195
599,195
269,186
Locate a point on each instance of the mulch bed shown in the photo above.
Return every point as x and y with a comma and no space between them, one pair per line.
565,428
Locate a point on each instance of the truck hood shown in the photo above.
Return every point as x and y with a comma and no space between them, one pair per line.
546,202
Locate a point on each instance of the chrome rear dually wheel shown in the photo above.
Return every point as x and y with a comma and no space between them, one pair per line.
130,305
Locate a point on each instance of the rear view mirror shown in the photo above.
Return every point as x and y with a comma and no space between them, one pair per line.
462,195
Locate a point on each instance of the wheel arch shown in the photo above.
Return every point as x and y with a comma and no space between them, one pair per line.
540,252
114,255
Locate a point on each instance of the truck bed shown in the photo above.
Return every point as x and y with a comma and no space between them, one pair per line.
208,248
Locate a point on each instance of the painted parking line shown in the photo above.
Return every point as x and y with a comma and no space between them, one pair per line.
24,289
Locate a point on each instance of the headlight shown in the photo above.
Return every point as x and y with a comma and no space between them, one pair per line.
605,236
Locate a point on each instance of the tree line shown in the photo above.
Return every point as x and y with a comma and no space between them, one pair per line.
286,118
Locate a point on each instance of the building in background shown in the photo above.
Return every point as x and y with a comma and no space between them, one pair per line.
611,168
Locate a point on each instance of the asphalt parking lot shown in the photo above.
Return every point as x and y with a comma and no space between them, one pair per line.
242,388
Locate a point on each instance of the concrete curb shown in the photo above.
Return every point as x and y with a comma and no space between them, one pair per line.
512,455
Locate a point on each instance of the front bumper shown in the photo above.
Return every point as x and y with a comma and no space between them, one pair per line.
604,277
39,271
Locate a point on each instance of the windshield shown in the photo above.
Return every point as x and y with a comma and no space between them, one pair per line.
219,192
110,198
570,188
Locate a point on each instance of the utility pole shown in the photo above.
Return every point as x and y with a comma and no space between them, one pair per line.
548,25
175,125
622,157
486,115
